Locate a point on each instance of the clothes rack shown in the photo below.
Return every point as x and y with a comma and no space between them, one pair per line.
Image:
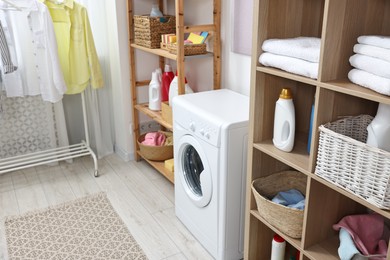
53,155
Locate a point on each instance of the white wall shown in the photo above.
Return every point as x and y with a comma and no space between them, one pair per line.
235,67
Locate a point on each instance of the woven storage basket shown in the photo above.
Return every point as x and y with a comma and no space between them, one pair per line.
345,160
155,153
287,220
189,49
148,30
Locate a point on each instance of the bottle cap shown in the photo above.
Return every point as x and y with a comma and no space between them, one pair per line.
278,238
286,94
167,68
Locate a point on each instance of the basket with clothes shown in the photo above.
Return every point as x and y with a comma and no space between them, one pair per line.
156,146
280,200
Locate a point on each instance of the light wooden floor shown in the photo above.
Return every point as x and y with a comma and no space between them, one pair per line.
142,197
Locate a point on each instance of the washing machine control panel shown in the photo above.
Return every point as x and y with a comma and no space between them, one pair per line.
202,129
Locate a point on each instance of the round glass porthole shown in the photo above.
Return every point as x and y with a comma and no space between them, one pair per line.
192,169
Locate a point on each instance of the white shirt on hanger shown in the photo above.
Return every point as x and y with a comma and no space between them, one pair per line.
34,43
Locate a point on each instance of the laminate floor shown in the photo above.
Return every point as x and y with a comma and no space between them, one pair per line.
142,197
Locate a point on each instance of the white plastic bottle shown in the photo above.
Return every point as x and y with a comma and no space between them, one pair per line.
278,248
154,93
379,129
159,74
174,89
155,12
284,122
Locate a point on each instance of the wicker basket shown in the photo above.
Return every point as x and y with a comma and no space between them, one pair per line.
346,160
189,49
155,153
288,220
148,30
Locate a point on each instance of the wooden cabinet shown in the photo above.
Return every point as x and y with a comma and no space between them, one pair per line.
179,59
338,23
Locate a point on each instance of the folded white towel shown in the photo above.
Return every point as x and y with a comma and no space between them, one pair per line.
293,65
372,65
306,48
372,51
371,81
375,40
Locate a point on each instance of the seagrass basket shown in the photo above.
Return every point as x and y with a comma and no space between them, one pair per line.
189,49
288,220
155,153
148,30
345,160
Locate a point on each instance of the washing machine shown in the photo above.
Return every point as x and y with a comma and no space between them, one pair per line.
210,133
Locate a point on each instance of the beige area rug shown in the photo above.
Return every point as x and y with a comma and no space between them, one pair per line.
86,228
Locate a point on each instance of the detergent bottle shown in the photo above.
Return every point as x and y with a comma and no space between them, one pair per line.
154,93
174,89
284,122
166,80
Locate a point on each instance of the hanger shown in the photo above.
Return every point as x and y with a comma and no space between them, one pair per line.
12,5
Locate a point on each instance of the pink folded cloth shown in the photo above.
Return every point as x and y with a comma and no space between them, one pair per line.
154,139
368,231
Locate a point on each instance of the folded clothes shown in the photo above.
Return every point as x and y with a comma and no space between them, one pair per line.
371,81
154,139
372,51
375,40
373,65
289,64
291,198
305,48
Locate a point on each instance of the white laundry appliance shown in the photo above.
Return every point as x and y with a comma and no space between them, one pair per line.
210,145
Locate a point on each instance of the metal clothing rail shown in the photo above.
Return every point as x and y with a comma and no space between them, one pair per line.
52,155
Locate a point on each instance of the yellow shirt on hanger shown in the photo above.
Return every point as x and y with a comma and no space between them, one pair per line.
76,47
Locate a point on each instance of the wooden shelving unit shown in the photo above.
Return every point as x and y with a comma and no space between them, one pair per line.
338,23
213,29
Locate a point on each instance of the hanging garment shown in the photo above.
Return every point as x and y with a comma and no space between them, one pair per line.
76,47
34,42
6,60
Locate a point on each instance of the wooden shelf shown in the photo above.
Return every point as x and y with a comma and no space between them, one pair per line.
167,54
293,241
347,87
298,158
352,196
155,115
179,60
159,52
283,74
326,250
159,166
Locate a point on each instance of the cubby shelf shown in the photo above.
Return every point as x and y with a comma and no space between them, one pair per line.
338,23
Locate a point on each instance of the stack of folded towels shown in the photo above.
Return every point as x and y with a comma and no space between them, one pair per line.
299,55
371,63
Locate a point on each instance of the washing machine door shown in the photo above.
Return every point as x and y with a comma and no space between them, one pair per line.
194,171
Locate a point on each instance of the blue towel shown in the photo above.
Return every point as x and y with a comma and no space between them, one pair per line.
347,248
291,198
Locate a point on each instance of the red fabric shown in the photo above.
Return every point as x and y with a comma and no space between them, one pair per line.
154,139
368,231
